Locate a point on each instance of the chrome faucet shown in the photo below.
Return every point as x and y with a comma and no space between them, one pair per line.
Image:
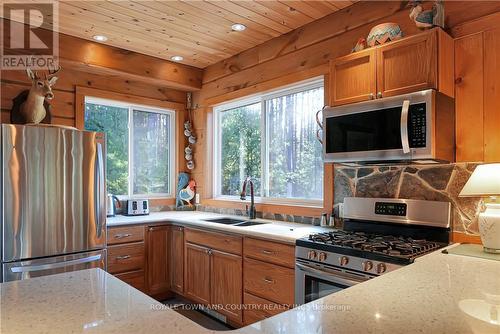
250,210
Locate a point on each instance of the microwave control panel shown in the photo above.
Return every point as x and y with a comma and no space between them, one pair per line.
417,126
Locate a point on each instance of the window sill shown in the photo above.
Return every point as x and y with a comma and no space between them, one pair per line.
310,209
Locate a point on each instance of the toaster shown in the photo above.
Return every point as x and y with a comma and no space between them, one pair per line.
137,207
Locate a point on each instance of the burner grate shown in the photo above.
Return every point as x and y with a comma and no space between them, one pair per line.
402,247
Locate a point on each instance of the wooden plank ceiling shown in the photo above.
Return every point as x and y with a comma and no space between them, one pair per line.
199,31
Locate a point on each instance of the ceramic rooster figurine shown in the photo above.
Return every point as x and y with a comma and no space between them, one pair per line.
187,194
428,18
182,183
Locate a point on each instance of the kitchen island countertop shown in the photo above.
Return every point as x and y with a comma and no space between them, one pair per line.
432,295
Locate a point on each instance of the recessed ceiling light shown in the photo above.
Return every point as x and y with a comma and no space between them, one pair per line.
100,38
238,27
177,58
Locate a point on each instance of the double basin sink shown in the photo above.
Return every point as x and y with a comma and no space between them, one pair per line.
234,222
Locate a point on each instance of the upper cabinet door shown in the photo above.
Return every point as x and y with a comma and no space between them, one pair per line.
407,65
353,78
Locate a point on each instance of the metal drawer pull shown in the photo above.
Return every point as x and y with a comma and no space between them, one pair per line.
120,236
123,257
268,252
268,280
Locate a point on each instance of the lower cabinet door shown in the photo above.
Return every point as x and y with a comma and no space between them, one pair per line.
177,259
158,279
226,284
197,273
134,278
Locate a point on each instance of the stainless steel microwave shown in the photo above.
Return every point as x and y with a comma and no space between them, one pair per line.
417,127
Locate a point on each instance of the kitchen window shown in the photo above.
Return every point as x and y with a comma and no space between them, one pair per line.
272,138
139,146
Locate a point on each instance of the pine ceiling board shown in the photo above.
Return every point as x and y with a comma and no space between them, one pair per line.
159,11
115,19
212,20
161,25
230,16
265,10
286,11
305,8
251,15
124,31
339,4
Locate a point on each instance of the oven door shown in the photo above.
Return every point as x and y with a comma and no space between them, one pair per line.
394,128
314,281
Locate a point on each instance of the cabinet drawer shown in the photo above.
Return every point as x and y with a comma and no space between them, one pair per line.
269,281
223,242
134,278
258,309
127,257
120,235
269,251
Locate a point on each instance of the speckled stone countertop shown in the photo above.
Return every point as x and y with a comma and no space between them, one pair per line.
274,230
437,294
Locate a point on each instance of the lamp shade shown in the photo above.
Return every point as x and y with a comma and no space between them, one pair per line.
485,181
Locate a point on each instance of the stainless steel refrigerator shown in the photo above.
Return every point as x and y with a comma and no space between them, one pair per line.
53,216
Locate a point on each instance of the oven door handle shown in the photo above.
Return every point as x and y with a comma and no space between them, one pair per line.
338,277
404,127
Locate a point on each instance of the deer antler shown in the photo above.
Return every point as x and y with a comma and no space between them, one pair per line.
51,72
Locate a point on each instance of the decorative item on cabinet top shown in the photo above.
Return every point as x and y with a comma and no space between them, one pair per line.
425,19
32,106
383,33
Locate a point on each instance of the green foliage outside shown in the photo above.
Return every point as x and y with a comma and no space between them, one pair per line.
114,122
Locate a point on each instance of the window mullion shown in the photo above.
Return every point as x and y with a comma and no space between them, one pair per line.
130,152
264,189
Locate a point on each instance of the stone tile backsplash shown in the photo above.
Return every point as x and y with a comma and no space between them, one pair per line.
428,182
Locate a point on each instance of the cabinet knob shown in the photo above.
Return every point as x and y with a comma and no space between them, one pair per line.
379,95
372,96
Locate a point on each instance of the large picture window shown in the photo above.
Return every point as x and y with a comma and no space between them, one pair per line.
271,138
139,146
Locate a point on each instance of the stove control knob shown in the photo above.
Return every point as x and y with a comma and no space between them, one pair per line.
322,256
311,255
381,268
367,265
344,260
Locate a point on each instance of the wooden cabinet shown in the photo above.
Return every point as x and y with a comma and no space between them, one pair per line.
226,283
177,259
158,278
213,271
477,84
268,278
411,64
354,77
197,273
127,255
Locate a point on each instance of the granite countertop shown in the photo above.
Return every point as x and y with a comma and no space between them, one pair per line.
432,295
285,232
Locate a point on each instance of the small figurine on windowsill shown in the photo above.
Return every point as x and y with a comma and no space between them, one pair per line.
425,19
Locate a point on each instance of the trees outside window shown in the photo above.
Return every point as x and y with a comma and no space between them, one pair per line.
139,147
271,138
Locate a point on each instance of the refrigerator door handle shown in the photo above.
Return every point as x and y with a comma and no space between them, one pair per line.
99,197
24,269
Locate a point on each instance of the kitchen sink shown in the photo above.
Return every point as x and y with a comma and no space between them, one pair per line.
234,222
249,223
225,221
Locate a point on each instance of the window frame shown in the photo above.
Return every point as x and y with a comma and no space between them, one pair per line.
172,145
261,98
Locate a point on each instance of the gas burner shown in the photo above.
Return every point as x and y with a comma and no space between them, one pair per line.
395,246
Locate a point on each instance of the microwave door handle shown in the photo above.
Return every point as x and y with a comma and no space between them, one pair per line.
327,274
404,127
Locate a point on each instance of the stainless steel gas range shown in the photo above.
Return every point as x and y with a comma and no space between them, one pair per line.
379,235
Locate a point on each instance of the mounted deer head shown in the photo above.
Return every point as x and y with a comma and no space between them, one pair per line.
33,109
